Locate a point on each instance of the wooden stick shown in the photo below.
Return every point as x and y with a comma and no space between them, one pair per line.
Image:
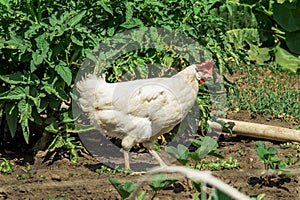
262,131
195,175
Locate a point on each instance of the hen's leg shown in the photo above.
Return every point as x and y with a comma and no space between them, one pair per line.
155,155
126,158
127,143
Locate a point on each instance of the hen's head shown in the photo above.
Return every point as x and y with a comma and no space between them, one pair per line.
204,71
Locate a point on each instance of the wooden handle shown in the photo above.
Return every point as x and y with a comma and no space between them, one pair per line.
262,131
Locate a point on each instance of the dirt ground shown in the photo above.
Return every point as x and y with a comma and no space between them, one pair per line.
60,179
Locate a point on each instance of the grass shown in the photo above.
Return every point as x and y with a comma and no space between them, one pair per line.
267,91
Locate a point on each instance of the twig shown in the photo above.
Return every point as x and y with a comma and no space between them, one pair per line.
196,176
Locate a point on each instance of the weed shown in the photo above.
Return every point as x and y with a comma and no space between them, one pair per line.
292,159
27,173
258,197
294,146
59,198
218,164
6,166
107,170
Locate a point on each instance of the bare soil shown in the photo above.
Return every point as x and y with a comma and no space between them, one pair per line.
61,179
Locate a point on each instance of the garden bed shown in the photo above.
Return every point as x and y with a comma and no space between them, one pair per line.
60,179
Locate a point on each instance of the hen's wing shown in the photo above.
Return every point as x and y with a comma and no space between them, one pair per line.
157,104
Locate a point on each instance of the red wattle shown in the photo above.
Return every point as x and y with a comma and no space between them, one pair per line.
201,81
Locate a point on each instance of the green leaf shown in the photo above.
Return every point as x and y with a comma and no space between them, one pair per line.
161,181
11,111
134,22
240,38
123,191
80,128
17,93
260,144
106,7
197,143
51,128
42,44
208,145
53,103
258,197
196,186
37,57
259,55
196,196
65,117
262,153
64,72
129,186
181,153
76,19
77,39
25,115
273,150
15,78
57,143
216,154
141,196
219,195
286,60
53,86
35,117
287,15
74,156
273,160
293,41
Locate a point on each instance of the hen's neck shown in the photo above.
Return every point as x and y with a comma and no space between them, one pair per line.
189,74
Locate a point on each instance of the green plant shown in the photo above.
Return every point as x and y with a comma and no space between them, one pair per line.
106,170
53,198
258,31
265,93
181,153
292,159
43,43
269,158
295,146
6,166
205,146
218,164
258,197
123,190
201,194
26,171
160,182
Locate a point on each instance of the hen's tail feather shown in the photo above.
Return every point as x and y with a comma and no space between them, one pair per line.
89,89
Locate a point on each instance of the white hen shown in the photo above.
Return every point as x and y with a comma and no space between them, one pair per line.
139,111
